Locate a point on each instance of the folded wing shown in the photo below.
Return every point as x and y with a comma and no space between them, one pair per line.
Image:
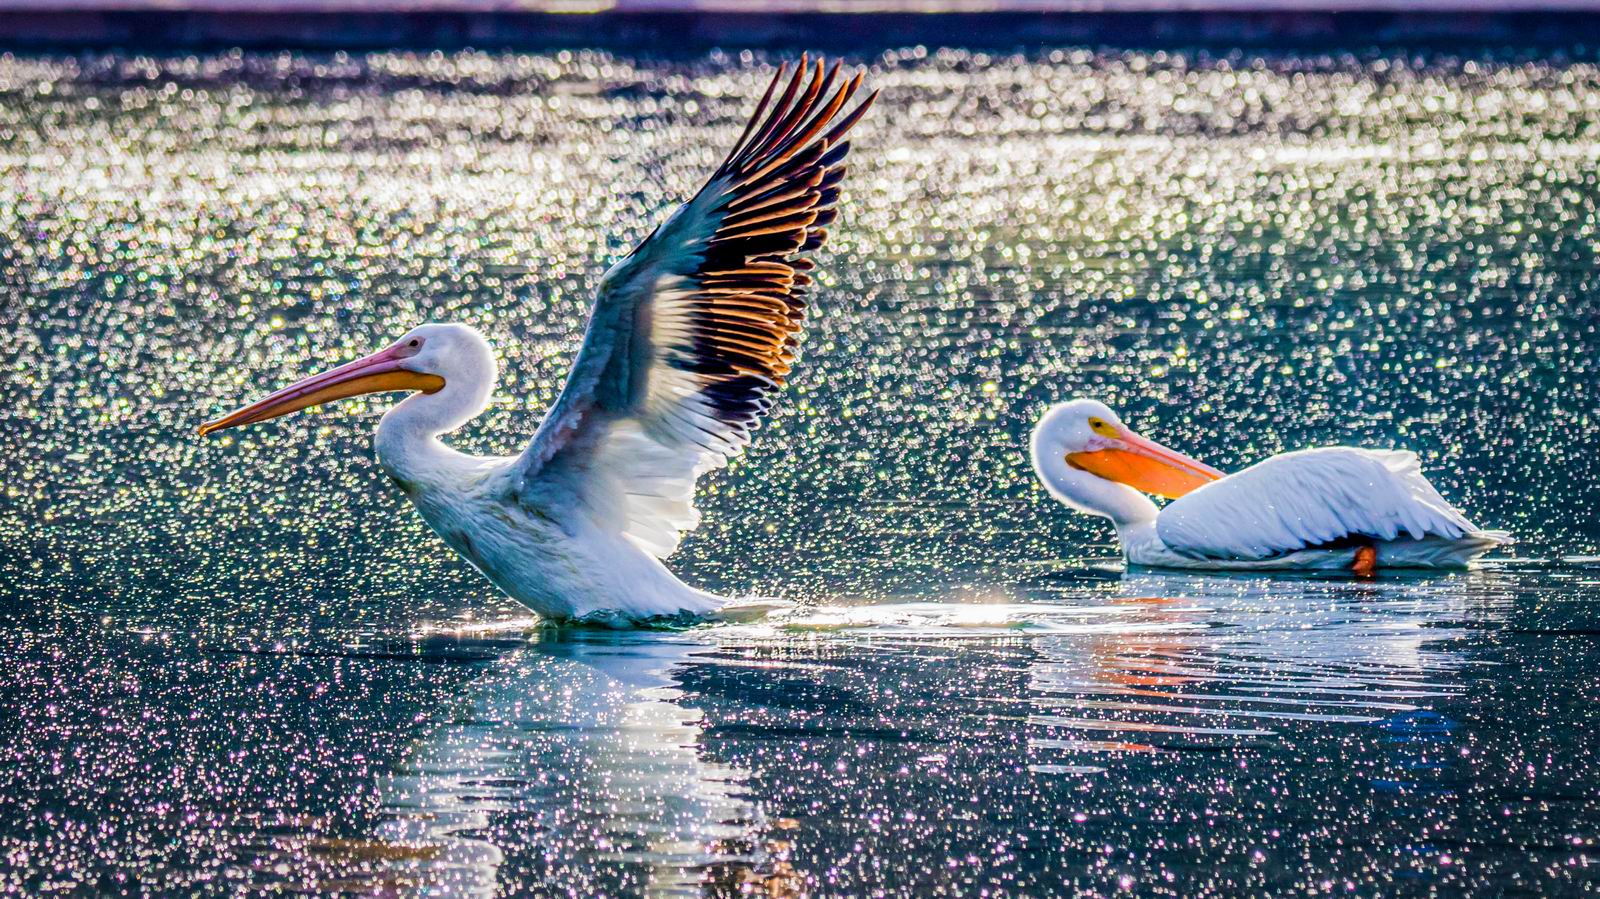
693,332
1306,499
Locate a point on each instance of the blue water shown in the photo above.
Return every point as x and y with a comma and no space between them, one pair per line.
244,665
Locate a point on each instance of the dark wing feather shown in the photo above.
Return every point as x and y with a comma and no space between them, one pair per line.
694,331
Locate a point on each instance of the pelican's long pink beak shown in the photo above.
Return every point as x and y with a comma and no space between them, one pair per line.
376,373
1146,466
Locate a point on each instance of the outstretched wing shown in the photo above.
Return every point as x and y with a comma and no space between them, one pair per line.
693,332
1306,499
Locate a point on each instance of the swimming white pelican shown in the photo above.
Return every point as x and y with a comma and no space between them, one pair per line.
1337,507
689,337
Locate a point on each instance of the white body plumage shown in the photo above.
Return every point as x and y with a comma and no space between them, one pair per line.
544,541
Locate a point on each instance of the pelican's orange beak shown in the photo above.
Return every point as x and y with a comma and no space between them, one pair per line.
376,373
1145,465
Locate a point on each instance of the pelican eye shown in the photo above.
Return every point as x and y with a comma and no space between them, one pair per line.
1102,427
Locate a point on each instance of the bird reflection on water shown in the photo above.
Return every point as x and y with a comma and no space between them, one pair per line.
676,762
574,750
1270,654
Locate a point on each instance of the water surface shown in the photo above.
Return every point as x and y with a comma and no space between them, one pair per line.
244,664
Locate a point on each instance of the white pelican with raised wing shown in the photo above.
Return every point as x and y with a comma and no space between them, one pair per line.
1336,507
690,336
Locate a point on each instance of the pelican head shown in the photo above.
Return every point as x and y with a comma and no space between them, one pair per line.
1093,462
450,362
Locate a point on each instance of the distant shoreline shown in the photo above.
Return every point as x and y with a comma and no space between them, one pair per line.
314,26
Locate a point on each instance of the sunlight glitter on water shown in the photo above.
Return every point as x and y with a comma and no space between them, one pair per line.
246,665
